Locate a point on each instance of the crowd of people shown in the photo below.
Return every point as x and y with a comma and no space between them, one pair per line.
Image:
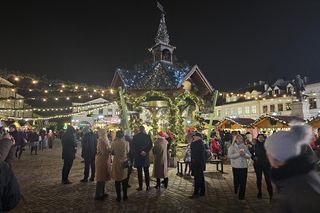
114,159
286,158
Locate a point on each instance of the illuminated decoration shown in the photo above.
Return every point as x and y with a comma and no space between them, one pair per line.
276,122
235,123
64,115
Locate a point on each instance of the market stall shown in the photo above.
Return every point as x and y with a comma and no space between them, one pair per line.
315,121
269,124
236,124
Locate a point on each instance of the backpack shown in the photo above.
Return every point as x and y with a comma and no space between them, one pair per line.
9,188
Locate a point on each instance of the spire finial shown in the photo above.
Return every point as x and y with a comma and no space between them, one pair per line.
162,34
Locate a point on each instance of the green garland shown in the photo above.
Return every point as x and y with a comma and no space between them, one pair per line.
175,119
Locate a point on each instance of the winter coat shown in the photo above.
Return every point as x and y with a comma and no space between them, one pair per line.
259,155
34,139
119,150
238,161
215,146
9,188
198,156
160,165
68,147
298,186
7,150
18,138
89,145
103,160
141,142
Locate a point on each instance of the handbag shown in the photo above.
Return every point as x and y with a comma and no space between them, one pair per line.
127,163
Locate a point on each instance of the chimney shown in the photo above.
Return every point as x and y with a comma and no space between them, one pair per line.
266,87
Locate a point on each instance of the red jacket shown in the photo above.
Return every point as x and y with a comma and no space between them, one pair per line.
215,146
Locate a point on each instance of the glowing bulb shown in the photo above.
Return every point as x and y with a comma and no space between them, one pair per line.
63,86
111,91
76,87
79,96
34,81
30,90
46,91
68,98
61,90
16,79
44,99
84,89
95,90
56,99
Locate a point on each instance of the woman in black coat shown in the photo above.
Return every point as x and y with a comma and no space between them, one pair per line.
261,165
68,153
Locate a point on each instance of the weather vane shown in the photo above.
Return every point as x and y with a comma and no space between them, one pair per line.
160,7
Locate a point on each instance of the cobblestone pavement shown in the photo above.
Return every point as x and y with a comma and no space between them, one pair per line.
40,180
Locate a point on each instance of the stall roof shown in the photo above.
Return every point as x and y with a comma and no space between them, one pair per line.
285,120
241,122
315,121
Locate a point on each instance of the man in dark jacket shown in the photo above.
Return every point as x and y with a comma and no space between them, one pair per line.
89,150
34,141
198,164
18,138
141,146
68,153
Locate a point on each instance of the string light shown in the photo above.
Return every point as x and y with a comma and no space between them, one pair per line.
46,91
16,79
34,82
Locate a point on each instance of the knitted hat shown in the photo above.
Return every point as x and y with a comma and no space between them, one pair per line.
285,145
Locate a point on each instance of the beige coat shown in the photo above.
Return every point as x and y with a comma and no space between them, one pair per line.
120,149
160,166
103,160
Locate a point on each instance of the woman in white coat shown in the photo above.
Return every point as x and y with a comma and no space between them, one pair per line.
238,154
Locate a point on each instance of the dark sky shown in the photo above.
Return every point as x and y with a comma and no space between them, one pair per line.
233,42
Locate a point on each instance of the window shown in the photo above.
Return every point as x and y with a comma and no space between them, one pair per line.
100,111
265,109
109,113
280,107
270,93
247,110
239,110
254,109
313,103
272,108
288,106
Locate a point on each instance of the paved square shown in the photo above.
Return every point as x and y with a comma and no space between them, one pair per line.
40,180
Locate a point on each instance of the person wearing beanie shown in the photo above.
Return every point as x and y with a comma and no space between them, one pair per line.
198,164
238,154
293,171
261,165
160,164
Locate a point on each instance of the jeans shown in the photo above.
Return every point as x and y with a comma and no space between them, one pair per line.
19,149
89,163
240,181
266,171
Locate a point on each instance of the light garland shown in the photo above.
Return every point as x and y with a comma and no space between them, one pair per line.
60,116
80,107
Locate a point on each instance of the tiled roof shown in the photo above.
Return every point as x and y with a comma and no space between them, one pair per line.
160,75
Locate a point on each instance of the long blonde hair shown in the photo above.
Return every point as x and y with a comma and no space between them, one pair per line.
103,137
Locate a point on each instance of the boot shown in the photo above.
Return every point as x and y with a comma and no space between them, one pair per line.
158,184
166,180
118,190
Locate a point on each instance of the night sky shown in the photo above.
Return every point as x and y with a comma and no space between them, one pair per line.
233,42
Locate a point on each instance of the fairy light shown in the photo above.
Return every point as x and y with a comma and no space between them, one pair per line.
111,91
30,90
57,99
76,87
84,89
44,99
61,91
16,79
67,98
79,96
34,82
45,91
95,90
63,86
